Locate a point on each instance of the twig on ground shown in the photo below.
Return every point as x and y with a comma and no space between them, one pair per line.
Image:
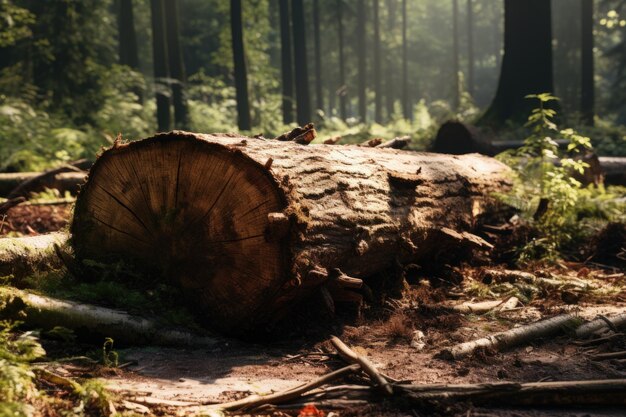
351,357
599,324
511,337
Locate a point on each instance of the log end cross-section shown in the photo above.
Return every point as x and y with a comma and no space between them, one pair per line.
191,211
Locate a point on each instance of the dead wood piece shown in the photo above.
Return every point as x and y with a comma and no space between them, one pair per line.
396,143
562,393
513,337
332,140
498,276
201,219
477,308
7,205
350,356
65,178
371,143
46,312
609,355
614,168
22,256
301,135
255,401
601,324
509,304
59,380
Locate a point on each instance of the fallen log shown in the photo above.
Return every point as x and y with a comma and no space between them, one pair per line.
21,256
44,312
513,337
458,138
22,184
247,227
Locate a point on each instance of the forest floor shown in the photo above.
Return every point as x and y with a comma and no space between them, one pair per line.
402,337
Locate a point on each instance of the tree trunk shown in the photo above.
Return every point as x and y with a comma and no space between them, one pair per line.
127,47
527,65
319,98
286,62
160,62
456,99
361,49
406,108
239,61
587,88
390,68
342,90
470,48
378,103
247,226
303,102
176,65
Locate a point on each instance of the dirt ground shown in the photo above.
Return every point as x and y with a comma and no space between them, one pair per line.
401,337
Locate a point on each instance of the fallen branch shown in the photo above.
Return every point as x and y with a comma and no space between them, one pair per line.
598,392
396,143
350,356
65,178
512,337
48,312
7,205
477,308
21,256
609,355
254,401
601,324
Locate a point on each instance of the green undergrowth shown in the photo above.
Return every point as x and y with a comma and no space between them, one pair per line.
160,301
552,202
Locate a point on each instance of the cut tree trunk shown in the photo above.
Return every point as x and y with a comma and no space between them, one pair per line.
248,226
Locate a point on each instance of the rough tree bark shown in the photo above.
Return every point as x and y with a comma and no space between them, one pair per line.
319,99
587,88
127,44
161,67
239,61
378,103
22,256
303,101
247,226
406,108
342,90
456,99
361,53
527,64
286,63
176,65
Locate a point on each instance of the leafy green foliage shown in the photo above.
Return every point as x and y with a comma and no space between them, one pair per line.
545,188
16,376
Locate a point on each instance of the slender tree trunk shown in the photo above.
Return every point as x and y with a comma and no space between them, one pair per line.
128,50
342,90
286,61
361,49
455,55
378,104
303,107
470,47
241,77
177,66
406,108
587,90
390,68
160,61
319,98
527,64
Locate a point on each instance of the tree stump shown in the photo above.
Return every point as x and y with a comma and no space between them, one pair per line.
248,226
